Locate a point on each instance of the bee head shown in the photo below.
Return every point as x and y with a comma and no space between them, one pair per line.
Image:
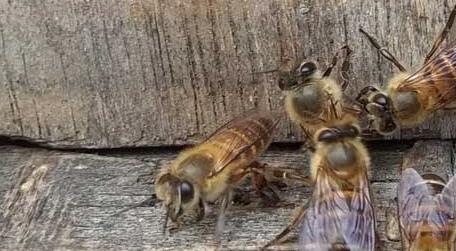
379,106
291,77
179,196
338,146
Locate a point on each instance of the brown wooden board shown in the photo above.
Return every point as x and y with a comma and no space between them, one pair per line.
64,200
102,74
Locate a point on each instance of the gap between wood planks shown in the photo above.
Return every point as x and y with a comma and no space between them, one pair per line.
65,199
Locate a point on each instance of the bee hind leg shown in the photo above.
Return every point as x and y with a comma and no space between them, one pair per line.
281,237
266,190
265,178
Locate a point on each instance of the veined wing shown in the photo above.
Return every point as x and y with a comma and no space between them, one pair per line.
420,211
437,76
338,219
251,131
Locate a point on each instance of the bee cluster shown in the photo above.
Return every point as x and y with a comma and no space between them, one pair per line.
339,215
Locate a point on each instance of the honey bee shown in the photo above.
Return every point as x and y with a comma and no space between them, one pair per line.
410,98
426,211
340,215
312,98
209,171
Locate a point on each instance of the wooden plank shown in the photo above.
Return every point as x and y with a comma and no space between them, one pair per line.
102,74
65,200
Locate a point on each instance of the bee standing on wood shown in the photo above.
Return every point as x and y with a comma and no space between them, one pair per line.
340,215
312,98
410,99
209,171
426,211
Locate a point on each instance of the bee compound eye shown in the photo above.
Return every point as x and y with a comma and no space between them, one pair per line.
327,135
381,99
187,192
354,131
307,69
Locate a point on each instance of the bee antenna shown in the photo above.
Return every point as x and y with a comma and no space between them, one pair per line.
150,202
265,72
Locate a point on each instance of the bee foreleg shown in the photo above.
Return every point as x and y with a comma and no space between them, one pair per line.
335,59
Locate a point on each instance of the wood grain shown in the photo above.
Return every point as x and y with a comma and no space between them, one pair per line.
65,200
103,74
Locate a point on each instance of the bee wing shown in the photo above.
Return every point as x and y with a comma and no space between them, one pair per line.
448,195
440,73
252,114
418,206
240,135
336,216
447,205
411,194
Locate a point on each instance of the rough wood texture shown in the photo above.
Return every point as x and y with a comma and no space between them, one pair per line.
103,74
64,200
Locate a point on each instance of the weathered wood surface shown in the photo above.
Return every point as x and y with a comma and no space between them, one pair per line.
103,74
64,200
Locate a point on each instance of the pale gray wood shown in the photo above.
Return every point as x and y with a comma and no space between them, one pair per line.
64,200
103,74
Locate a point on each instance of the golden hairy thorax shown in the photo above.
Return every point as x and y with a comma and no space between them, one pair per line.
412,113
310,106
350,173
361,159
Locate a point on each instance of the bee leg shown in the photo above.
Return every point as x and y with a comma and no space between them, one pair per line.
293,225
383,51
363,95
175,227
221,218
345,68
335,59
439,40
308,143
332,65
266,190
279,174
262,186
306,146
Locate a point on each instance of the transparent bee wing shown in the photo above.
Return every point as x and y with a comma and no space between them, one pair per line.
421,210
338,218
412,193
